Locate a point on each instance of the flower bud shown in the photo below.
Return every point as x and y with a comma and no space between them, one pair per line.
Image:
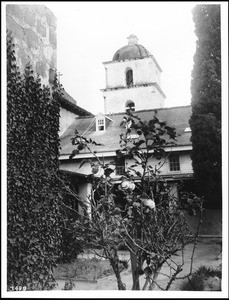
95,169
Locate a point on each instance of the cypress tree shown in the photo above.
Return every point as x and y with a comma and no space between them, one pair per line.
205,121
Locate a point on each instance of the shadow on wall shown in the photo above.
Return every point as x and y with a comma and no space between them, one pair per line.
212,222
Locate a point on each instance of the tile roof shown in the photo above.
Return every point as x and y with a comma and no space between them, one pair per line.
177,117
69,103
131,52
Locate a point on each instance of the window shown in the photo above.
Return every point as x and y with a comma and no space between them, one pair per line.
100,125
120,165
129,77
130,105
174,162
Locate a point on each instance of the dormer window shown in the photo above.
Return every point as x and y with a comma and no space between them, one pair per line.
102,122
100,125
129,77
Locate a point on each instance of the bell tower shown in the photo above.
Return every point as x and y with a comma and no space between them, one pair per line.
132,80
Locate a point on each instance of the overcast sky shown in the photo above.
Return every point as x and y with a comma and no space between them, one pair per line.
89,33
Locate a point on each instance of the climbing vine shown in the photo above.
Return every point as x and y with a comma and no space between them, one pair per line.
33,206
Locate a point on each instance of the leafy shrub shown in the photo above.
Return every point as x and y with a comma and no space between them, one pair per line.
69,285
149,220
196,283
70,246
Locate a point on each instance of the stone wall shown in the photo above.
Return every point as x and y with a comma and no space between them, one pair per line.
34,31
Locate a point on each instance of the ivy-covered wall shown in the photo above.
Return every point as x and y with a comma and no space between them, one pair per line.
33,200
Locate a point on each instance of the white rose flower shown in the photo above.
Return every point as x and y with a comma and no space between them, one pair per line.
125,185
150,203
131,186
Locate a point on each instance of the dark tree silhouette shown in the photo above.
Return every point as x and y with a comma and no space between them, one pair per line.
205,121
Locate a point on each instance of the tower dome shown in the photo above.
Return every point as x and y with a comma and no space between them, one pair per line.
131,51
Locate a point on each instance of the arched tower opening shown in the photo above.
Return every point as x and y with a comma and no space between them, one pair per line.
129,77
130,105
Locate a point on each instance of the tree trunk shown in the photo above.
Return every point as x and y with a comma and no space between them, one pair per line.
135,275
121,285
114,264
155,275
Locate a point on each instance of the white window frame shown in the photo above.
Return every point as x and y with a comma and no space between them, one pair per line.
174,162
100,124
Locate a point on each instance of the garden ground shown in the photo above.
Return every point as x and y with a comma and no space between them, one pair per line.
89,273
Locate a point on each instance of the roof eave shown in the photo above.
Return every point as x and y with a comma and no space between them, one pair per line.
110,153
129,59
64,103
135,86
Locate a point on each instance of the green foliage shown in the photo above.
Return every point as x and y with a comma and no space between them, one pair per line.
33,209
205,121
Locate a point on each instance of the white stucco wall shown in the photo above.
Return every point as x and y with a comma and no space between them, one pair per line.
85,188
186,163
163,164
185,166
144,71
66,119
73,166
145,97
